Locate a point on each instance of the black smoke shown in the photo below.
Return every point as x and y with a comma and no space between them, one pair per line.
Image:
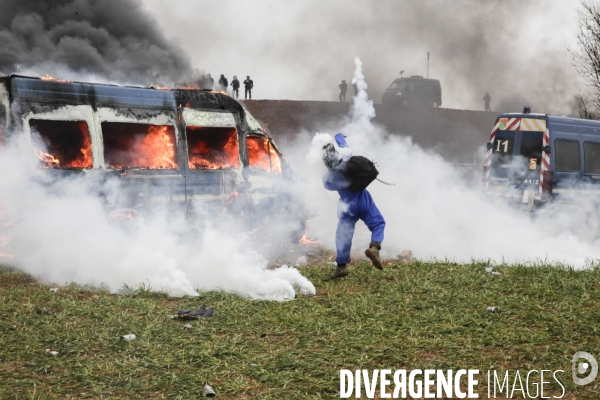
111,39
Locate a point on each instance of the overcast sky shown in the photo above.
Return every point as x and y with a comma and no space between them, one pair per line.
302,49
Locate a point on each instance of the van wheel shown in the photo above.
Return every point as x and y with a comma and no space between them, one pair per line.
435,104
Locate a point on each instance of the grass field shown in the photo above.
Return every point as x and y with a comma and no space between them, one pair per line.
419,315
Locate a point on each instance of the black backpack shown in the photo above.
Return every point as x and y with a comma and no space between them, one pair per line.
360,172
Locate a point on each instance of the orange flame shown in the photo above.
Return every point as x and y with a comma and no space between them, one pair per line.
52,79
234,195
128,215
45,157
129,149
306,240
158,148
85,159
259,156
257,152
275,160
61,153
212,148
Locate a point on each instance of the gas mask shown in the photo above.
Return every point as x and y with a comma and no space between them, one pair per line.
331,157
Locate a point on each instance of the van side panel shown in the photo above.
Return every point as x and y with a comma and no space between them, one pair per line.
574,143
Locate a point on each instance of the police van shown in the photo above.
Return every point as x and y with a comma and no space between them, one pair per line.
539,157
414,91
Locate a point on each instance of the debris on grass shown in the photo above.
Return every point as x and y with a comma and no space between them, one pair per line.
129,337
208,391
489,268
51,352
187,327
406,255
253,365
195,314
493,309
54,289
494,273
45,312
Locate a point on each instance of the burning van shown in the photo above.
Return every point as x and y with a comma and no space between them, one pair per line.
184,150
537,157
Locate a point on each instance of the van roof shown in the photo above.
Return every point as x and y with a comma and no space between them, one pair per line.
36,89
558,121
417,78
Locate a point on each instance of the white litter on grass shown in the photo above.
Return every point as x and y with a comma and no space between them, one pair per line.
493,309
187,327
489,268
54,290
51,352
208,391
129,337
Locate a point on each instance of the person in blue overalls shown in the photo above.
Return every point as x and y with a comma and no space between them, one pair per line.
352,207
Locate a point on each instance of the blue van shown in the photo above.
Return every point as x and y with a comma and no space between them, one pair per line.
540,157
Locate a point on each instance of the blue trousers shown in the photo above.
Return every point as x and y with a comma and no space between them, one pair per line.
354,206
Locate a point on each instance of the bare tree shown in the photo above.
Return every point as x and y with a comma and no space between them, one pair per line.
588,56
583,105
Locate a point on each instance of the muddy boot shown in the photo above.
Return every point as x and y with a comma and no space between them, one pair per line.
373,253
340,271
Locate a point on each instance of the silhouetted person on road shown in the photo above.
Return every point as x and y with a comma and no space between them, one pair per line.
235,84
209,82
223,83
343,89
248,85
487,99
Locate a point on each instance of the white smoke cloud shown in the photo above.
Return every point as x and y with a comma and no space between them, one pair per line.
59,233
437,214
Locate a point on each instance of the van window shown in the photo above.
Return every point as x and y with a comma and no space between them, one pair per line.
258,153
2,124
567,156
212,148
502,152
61,144
591,156
531,148
144,146
275,160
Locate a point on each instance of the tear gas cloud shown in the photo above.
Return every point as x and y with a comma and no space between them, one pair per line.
63,235
59,232
438,215
516,50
